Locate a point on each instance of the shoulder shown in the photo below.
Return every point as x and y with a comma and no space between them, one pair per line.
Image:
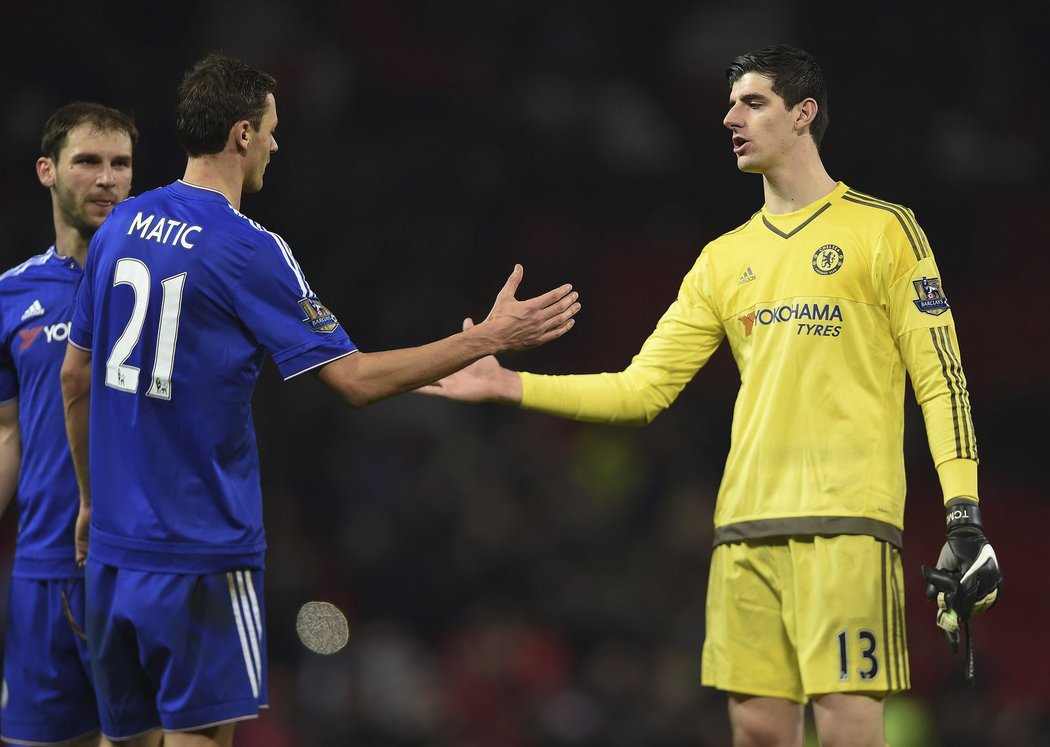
740,230
884,219
32,268
254,231
732,239
878,211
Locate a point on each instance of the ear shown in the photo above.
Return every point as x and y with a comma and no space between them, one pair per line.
807,112
241,134
45,171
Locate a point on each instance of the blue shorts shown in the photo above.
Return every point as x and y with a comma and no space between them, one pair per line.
173,650
47,695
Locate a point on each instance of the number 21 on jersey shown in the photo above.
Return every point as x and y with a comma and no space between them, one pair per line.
121,376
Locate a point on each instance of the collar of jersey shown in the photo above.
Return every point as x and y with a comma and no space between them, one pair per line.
63,259
787,225
200,193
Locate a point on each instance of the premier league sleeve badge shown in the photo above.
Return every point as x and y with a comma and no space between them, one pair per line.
931,298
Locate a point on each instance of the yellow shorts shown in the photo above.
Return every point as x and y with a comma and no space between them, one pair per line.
797,618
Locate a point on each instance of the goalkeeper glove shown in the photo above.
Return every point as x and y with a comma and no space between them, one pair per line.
966,580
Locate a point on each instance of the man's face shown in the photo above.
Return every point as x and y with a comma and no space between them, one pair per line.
261,146
92,173
763,128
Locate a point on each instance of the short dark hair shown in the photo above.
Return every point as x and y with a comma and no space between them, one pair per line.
67,118
216,93
795,76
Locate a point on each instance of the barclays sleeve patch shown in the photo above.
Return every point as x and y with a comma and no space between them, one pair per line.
318,317
931,298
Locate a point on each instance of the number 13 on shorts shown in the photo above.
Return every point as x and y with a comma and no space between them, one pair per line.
858,655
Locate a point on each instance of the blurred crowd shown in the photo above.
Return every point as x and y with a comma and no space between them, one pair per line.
512,579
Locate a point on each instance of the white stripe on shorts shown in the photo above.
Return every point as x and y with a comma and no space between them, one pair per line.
243,633
251,620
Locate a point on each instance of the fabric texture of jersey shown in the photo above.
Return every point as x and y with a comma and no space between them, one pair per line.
36,303
181,299
826,310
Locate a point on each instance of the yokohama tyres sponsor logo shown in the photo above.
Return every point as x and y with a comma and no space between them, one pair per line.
812,319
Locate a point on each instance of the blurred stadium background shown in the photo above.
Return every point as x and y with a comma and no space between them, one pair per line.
512,579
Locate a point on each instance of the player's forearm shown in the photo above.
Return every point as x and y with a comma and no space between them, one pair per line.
934,364
614,398
364,378
76,400
958,478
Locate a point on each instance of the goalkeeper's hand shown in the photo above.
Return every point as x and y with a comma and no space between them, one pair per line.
966,580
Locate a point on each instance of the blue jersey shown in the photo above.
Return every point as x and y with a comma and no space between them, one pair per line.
181,300
36,303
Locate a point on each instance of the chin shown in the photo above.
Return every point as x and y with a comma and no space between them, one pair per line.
748,166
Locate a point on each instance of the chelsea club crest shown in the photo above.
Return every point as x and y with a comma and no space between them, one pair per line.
827,260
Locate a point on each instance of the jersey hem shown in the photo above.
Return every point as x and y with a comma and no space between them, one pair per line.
808,526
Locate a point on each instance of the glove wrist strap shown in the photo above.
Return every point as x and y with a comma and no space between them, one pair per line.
962,512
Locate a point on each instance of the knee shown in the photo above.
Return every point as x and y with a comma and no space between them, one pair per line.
766,722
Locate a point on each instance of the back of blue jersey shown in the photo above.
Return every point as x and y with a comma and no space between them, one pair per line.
36,303
181,299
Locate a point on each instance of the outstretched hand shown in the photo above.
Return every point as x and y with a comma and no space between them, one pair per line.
484,380
519,325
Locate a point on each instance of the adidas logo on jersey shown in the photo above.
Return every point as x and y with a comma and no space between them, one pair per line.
747,277
35,309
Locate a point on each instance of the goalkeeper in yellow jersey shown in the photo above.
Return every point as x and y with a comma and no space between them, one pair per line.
829,298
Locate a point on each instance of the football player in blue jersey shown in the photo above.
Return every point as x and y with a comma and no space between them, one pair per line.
183,297
47,693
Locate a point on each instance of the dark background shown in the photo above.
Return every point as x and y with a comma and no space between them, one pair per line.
513,579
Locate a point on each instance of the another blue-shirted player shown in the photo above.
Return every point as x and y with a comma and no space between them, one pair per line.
183,297
47,694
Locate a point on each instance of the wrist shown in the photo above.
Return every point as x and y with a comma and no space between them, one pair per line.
962,513
481,343
512,387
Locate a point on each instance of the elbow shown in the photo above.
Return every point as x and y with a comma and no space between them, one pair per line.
357,397
354,391
344,376
649,402
643,418
649,416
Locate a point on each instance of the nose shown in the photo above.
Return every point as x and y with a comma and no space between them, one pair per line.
732,119
273,145
106,176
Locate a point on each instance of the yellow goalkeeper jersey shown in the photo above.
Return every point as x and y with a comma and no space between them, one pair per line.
826,310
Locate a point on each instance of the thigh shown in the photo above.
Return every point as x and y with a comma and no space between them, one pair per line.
47,693
849,603
771,722
749,648
199,647
849,720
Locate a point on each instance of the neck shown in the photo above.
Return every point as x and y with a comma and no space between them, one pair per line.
217,172
69,242
795,184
